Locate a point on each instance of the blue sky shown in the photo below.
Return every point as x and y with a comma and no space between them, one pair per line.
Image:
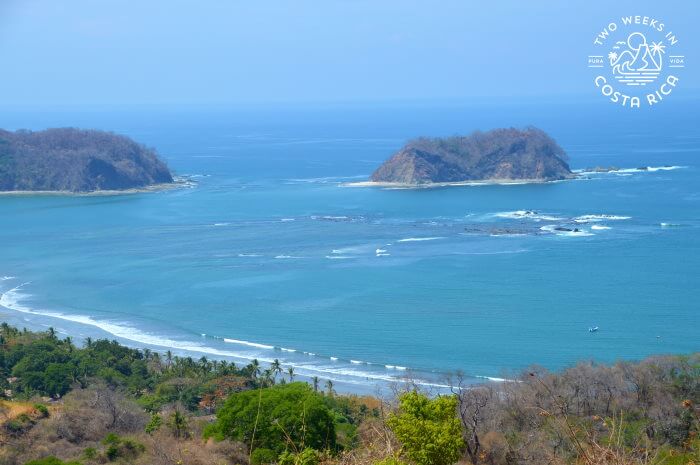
218,51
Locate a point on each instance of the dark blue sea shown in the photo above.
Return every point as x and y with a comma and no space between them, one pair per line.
267,254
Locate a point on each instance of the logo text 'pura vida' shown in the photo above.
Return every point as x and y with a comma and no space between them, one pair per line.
636,63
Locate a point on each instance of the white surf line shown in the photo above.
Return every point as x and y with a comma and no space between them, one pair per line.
11,300
644,169
420,239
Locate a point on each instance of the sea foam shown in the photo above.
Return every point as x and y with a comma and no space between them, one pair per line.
599,217
248,343
553,230
12,299
526,214
419,239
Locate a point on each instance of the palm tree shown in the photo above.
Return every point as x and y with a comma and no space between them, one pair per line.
276,368
255,368
315,380
157,362
268,377
329,387
146,354
169,358
290,371
88,342
178,424
204,364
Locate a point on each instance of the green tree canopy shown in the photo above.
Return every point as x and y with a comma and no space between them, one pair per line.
428,429
283,417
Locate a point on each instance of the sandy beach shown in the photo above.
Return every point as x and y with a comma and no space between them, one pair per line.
179,183
490,182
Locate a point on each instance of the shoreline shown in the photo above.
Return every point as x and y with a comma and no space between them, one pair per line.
575,175
343,383
79,327
431,185
178,183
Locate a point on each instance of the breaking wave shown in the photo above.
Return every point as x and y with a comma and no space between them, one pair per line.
419,239
13,300
248,343
598,218
627,171
566,232
527,214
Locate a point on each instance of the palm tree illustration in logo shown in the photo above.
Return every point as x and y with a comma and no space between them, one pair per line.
638,63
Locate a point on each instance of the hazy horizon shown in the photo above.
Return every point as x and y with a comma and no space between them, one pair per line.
80,52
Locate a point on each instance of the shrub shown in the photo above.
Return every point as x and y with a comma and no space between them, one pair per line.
262,456
121,448
19,424
154,424
42,410
428,429
283,416
305,457
90,453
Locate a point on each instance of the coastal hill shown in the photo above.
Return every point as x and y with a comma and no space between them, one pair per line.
107,403
497,155
76,160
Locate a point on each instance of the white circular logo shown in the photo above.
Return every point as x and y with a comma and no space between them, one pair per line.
636,61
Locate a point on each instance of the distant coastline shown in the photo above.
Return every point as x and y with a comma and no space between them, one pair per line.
179,182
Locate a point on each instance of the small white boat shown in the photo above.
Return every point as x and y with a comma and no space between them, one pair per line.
592,329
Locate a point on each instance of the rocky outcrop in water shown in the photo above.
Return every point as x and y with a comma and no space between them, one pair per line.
497,155
76,160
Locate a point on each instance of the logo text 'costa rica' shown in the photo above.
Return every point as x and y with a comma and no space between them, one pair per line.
635,62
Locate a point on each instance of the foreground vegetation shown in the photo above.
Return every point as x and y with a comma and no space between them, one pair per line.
106,403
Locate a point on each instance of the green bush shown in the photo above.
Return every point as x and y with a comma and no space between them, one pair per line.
283,417
43,411
19,424
305,457
121,448
90,453
154,424
428,429
262,456
112,453
111,439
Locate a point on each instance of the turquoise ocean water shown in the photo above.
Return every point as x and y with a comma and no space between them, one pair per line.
268,256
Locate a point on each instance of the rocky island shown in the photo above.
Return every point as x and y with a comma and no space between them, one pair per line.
497,156
77,161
